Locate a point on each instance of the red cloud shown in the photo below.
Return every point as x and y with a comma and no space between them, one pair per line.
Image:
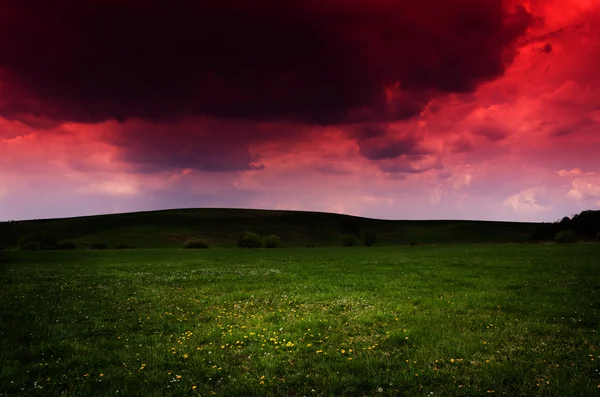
311,62
454,109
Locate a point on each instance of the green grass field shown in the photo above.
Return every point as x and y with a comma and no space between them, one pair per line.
515,320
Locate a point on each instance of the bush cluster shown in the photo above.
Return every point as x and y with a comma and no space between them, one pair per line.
195,243
368,237
37,241
253,240
43,241
566,236
348,240
250,240
272,241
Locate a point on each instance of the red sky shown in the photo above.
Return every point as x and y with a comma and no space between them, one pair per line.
470,109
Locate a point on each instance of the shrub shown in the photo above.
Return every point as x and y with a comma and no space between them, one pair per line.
272,241
124,247
250,240
65,245
348,240
565,236
598,236
97,246
369,237
195,243
28,244
37,241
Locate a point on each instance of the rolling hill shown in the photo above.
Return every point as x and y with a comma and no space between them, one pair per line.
221,228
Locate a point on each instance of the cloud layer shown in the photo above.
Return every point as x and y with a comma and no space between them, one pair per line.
300,60
395,109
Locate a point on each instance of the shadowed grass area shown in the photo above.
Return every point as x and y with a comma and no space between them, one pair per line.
444,320
222,228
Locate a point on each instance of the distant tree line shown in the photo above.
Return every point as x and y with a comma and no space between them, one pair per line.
584,226
45,241
246,240
42,241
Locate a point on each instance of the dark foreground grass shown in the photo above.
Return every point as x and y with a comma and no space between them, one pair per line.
434,321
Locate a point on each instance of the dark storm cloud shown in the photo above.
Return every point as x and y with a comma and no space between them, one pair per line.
207,145
375,149
407,165
301,60
558,33
461,145
571,127
381,142
547,48
493,134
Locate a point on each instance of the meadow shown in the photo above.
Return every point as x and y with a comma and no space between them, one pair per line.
455,320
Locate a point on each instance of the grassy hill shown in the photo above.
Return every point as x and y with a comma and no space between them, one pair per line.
221,227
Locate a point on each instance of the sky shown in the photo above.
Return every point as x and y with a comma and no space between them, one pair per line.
429,109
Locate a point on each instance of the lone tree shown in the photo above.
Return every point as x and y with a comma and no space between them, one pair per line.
369,237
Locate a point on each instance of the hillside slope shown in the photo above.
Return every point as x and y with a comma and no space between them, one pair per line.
221,227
